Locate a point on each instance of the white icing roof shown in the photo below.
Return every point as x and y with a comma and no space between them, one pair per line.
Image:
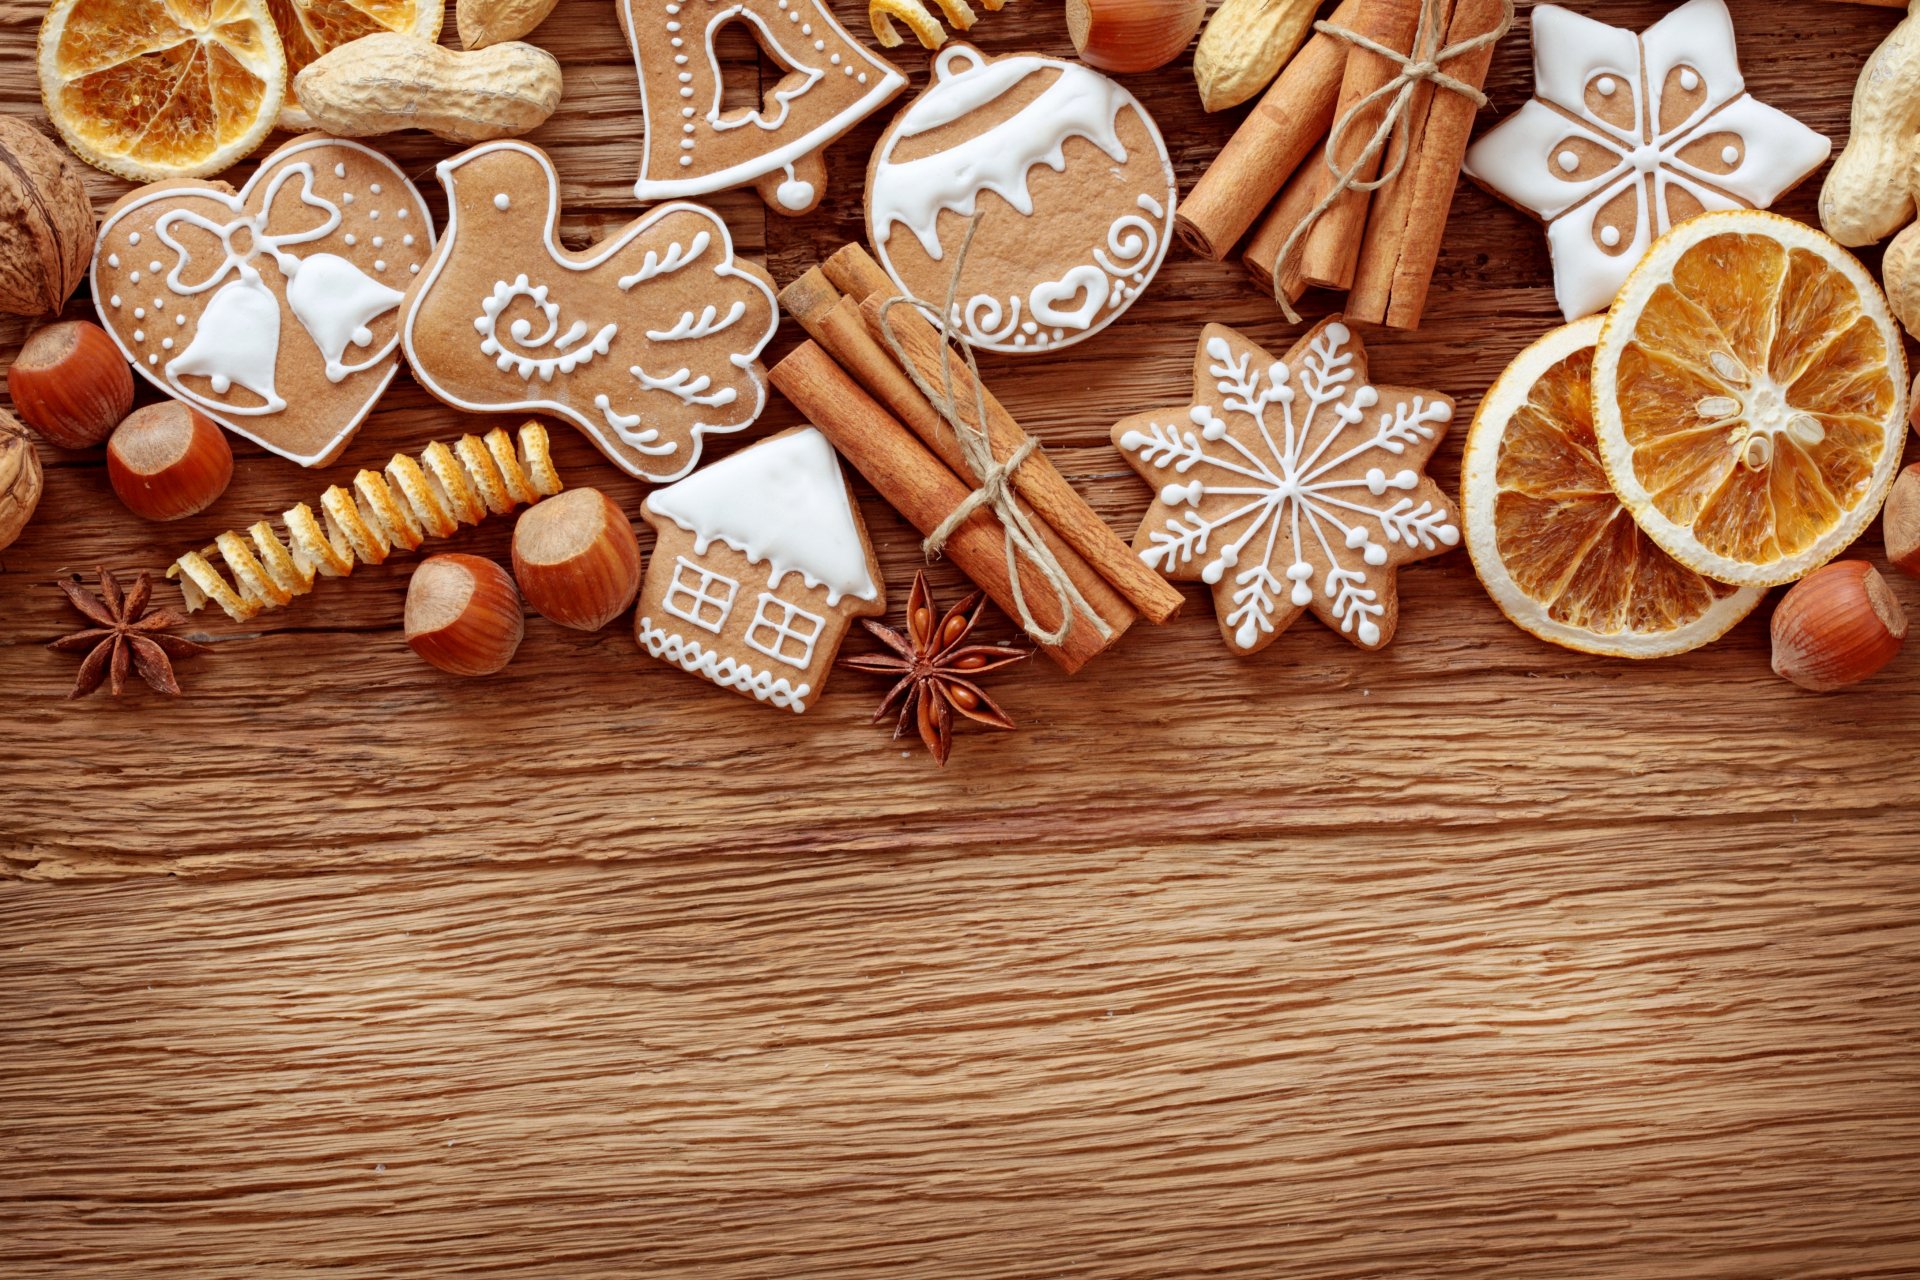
783,503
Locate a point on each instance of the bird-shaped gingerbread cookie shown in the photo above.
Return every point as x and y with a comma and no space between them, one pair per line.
647,341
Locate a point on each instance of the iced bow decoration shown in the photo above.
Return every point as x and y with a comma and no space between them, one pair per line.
238,338
196,283
1628,135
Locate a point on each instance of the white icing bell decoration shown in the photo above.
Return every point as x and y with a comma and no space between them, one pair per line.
237,343
335,301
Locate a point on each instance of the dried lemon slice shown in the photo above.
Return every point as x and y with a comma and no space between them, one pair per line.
1551,542
309,28
154,89
1750,396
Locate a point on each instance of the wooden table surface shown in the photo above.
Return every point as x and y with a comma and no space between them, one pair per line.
1472,957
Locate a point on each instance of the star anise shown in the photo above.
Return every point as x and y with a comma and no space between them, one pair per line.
128,637
937,669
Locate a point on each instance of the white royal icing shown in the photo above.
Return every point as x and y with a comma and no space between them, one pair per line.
569,353
1079,103
782,503
1283,473
666,83
235,342
729,673
1523,159
569,342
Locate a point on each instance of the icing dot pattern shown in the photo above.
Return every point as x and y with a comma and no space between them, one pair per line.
234,256
809,43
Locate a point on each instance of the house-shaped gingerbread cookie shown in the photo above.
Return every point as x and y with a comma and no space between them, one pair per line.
761,565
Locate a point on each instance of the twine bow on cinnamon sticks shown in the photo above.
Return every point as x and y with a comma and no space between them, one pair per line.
879,378
1421,66
990,474
1381,246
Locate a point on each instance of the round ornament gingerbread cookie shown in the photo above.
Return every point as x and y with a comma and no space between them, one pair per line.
1059,173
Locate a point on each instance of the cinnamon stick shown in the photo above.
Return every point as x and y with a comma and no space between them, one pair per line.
854,272
1443,148
1393,204
919,486
834,321
1283,129
1332,248
1037,481
1263,250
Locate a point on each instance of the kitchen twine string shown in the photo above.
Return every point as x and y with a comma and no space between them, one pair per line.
991,475
1413,69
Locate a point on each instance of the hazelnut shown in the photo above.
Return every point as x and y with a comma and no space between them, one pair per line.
1837,626
576,559
71,384
1125,36
168,461
463,615
20,479
1900,521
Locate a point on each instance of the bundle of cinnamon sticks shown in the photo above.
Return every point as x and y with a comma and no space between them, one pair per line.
1379,247
850,384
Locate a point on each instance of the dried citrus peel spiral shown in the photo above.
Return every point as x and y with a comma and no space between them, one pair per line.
919,20
448,486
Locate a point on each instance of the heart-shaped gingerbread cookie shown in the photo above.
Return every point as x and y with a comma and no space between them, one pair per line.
274,310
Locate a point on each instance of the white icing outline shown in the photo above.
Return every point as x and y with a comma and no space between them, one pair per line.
729,673
1518,158
222,413
783,503
698,594
887,81
1125,283
782,630
1279,474
641,443
785,97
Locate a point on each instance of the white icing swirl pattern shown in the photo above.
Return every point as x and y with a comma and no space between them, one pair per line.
1077,103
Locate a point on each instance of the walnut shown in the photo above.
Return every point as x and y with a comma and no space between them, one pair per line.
46,222
20,478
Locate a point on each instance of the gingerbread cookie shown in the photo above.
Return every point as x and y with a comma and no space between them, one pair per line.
694,146
761,565
1628,135
647,341
1069,180
1292,484
275,309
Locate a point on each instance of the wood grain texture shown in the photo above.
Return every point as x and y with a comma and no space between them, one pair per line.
1649,1049
1473,957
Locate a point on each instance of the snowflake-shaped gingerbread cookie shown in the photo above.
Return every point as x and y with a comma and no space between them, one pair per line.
1292,484
1627,135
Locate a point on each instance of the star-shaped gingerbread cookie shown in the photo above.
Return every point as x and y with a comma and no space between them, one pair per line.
1292,484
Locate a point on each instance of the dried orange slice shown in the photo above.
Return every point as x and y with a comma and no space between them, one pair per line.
1750,396
154,89
1551,542
309,28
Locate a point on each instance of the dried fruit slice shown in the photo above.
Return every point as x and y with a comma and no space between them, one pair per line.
1551,542
155,89
309,28
1750,396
